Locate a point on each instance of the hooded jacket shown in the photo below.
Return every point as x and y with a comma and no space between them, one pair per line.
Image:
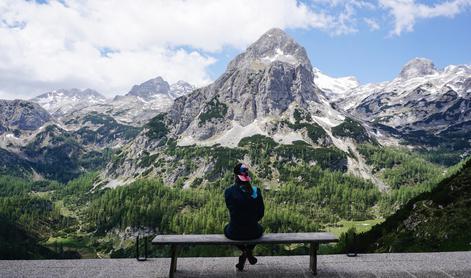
245,211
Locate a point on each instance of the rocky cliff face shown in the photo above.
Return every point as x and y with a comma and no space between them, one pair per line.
273,74
18,116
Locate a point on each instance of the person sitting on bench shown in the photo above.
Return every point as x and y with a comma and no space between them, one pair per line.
245,204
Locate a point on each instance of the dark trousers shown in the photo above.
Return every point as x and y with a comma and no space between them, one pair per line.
246,248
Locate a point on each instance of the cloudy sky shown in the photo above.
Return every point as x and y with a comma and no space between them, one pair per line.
111,45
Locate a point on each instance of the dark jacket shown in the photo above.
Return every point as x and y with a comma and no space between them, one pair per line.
245,212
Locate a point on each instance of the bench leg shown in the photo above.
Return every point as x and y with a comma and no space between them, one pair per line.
313,247
173,262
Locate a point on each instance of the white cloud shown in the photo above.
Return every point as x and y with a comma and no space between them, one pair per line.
407,12
372,24
111,45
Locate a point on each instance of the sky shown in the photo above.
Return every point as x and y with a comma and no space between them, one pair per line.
111,45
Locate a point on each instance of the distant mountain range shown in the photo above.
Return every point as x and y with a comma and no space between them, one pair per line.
136,107
423,105
271,90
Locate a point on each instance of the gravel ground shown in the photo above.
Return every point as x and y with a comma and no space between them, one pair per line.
450,264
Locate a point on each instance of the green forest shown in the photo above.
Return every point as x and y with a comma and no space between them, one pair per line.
77,220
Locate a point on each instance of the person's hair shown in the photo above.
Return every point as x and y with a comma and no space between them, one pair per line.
245,184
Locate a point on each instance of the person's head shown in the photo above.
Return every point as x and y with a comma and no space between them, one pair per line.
241,174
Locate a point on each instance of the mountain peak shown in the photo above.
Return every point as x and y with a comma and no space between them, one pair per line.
180,88
274,45
275,32
418,67
150,88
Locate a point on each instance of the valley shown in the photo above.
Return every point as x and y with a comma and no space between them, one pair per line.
81,175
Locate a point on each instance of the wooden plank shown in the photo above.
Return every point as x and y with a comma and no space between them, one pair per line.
219,239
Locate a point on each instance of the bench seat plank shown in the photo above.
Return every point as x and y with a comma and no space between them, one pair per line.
219,239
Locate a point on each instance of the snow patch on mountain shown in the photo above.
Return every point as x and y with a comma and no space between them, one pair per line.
418,67
334,88
62,101
279,56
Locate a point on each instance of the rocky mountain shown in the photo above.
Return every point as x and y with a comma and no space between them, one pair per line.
422,106
273,75
267,91
146,100
418,67
62,101
155,89
140,104
33,144
20,120
150,89
51,153
97,130
433,221
82,129
18,115
180,89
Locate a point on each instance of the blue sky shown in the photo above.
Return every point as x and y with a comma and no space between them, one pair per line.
109,47
376,55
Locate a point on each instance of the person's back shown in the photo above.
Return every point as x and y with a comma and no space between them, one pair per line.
245,211
246,208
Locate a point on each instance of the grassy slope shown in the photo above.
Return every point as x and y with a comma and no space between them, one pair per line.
433,221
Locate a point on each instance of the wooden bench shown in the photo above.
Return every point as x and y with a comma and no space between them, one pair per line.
314,239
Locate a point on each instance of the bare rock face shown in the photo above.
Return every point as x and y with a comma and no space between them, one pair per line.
264,81
21,115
